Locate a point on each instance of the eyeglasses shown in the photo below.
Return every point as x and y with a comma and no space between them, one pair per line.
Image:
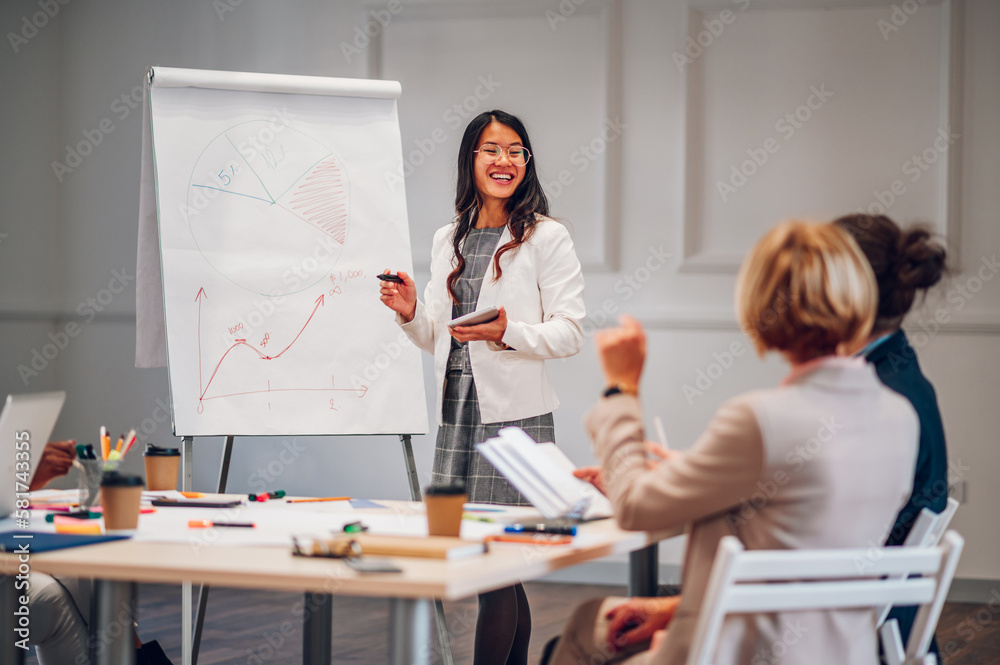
490,152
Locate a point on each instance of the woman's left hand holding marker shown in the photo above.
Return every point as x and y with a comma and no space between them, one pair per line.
400,298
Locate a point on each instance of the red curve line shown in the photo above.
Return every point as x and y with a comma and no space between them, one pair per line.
319,301
219,364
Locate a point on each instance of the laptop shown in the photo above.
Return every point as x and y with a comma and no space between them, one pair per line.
29,418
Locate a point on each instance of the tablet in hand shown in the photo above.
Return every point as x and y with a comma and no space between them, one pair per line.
480,316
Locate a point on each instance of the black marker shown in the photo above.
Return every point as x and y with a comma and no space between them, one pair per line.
390,278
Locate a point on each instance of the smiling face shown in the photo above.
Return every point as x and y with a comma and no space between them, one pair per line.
499,179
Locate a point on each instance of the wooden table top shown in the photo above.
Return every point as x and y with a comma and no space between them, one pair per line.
275,568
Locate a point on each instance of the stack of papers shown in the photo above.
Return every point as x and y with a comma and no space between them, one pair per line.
544,475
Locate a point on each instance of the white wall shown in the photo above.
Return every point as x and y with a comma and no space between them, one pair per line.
649,188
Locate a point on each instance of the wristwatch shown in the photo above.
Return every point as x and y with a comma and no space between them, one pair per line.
622,388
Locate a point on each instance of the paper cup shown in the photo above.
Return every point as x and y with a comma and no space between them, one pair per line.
444,509
161,467
120,496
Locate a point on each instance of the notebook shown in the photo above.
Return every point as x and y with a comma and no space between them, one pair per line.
544,475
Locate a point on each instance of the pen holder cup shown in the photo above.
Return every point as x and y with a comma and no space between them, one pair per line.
120,495
162,465
444,509
89,482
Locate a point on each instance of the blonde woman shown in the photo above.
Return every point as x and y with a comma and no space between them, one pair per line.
823,460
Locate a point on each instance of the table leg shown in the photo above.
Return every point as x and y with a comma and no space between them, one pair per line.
317,625
9,651
643,571
409,626
112,628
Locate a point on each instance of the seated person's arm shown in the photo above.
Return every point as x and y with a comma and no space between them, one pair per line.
57,458
721,468
635,620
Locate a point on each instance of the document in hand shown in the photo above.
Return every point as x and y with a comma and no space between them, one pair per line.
544,475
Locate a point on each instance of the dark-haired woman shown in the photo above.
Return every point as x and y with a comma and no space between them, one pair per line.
905,263
502,250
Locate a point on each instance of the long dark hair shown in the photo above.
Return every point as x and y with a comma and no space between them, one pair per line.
527,200
904,262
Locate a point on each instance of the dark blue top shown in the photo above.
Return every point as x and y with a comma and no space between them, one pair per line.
896,363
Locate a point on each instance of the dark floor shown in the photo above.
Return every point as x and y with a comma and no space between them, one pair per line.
254,627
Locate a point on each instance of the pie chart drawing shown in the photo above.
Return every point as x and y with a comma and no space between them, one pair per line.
268,207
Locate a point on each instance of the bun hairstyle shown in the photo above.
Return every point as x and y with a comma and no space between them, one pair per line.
904,262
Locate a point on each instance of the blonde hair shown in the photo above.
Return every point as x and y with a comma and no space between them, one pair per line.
808,290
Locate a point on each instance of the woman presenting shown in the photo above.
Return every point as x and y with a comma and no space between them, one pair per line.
502,250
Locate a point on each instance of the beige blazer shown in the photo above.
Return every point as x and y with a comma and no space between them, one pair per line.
824,461
541,289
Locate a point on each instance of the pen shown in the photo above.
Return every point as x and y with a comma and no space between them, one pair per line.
202,524
532,539
315,499
121,440
477,518
193,495
390,278
129,441
660,432
560,529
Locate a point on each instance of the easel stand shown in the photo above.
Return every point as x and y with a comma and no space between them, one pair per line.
318,619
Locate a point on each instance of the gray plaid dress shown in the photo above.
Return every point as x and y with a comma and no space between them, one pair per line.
455,455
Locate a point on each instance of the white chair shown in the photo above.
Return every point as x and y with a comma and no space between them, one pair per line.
926,531
801,580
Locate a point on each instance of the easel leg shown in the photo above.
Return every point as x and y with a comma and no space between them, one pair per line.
199,617
187,465
439,618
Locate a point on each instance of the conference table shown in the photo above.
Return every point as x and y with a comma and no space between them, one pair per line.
117,567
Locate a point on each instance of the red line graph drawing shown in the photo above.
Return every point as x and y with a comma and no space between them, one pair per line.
203,387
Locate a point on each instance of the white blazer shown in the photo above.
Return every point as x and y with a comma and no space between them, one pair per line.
542,290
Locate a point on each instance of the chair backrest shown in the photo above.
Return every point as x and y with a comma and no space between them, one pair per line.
926,531
760,581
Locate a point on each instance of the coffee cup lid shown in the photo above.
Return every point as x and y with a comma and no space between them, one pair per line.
166,452
451,489
115,479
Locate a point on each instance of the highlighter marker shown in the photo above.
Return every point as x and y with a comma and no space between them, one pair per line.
561,529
